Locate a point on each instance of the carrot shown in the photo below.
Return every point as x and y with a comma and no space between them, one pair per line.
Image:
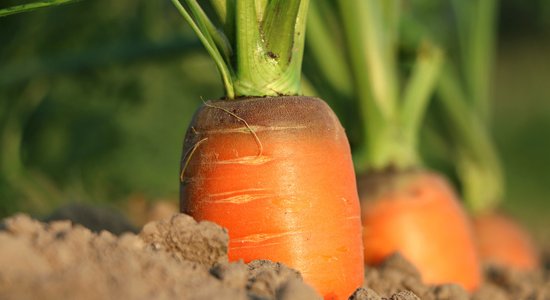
417,214
502,241
275,170
405,208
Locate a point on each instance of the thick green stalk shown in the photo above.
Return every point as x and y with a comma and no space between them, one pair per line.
418,92
33,6
270,56
481,56
259,52
326,51
391,119
466,102
372,117
391,17
276,29
476,22
369,35
248,50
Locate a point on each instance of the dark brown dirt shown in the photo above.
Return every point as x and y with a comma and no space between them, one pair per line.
178,258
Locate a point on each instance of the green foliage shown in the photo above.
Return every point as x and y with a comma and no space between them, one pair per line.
391,103
95,113
95,98
257,45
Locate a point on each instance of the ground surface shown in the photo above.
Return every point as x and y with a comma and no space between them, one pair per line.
178,258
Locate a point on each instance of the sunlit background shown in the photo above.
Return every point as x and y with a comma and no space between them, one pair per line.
95,98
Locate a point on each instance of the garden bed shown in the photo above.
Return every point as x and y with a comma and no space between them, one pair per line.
178,258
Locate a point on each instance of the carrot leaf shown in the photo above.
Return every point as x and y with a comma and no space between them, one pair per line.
225,11
391,114
33,6
200,30
419,90
477,162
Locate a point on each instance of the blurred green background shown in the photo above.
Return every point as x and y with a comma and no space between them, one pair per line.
95,98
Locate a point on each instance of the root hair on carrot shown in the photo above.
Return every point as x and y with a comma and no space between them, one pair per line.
260,146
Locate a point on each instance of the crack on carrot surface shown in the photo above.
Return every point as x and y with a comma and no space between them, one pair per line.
261,237
239,199
239,191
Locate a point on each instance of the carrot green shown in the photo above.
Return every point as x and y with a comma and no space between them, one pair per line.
257,45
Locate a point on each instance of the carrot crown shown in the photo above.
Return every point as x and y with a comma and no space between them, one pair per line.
257,45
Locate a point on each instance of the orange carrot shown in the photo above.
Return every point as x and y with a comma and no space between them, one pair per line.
502,241
417,214
277,172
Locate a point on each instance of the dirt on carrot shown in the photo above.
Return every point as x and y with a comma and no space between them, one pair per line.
178,258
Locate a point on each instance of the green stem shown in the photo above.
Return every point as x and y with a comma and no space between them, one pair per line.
481,56
269,57
225,10
391,126
248,48
476,29
365,43
33,6
277,28
365,32
478,165
467,104
418,92
391,17
327,54
210,46
261,55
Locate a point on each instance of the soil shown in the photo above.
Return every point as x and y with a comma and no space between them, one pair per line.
178,258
